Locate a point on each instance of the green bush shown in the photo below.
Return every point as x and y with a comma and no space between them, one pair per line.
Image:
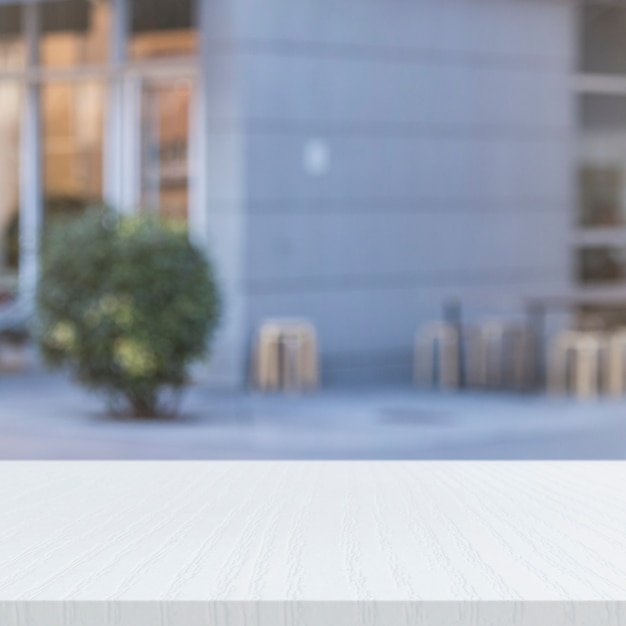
127,304
55,209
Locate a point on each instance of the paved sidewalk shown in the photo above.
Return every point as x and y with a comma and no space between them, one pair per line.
47,417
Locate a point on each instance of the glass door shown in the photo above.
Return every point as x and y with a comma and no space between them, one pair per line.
72,115
10,134
164,148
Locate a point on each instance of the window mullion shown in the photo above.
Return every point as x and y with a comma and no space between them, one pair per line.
114,157
31,205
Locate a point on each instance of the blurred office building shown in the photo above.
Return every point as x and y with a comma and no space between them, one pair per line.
356,162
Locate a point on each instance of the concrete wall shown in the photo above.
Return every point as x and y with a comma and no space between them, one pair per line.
222,228
449,128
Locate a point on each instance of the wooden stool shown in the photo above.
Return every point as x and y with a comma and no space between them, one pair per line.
520,348
486,355
499,356
615,361
266,359
586,349
286,355
445,370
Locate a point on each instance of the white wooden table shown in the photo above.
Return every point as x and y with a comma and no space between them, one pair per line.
277,543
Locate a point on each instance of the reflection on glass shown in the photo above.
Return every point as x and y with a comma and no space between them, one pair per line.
10,106
602,171
599,318
74,32
601,190
603,39
12,49
72,129
601,265
164,149
162,28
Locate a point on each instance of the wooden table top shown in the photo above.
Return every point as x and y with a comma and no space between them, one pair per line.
440,543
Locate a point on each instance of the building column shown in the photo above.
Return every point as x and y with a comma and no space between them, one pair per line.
31,201
119,170
222,218
198,144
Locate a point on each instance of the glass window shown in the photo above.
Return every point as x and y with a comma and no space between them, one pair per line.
601,265
603,39
162,28
74,32
602,164
12,48
72,140
165,149
10,107
601,318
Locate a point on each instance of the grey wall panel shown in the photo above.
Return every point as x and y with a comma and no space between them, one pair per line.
399,164
381,243
518,28
449,129
349,91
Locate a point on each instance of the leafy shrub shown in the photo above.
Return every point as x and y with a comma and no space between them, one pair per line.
56,208
127,304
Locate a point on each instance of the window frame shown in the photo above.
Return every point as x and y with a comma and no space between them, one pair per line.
118,74
589,235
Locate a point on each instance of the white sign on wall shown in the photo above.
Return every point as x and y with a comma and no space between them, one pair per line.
316,157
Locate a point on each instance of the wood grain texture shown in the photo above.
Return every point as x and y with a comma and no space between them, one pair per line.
231,534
